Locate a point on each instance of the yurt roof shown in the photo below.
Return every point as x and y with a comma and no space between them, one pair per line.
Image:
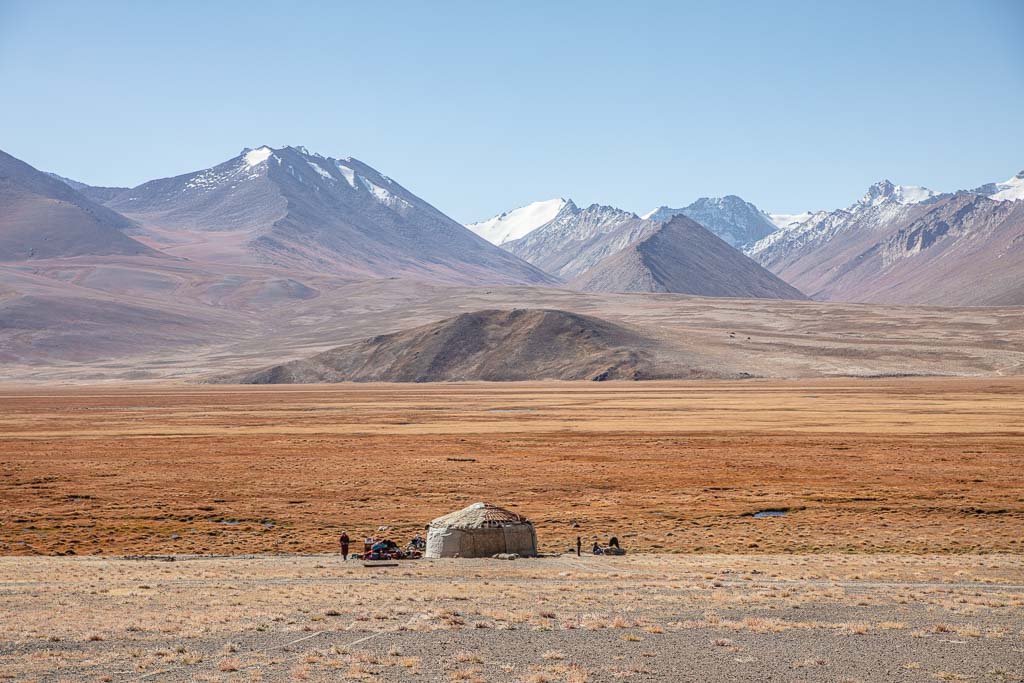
479,515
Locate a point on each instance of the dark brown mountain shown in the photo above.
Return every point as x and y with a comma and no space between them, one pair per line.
683,257
286,207
491,345
42,217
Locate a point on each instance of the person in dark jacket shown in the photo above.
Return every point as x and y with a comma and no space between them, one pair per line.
613,542
344,540
579,547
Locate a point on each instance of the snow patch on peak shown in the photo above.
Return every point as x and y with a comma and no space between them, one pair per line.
785,221
382,195
653,211
1011,190
347,172
885,190
517,223
913,194
320,169
255,157
731,218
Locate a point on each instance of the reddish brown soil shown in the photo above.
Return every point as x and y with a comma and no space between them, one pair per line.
906,466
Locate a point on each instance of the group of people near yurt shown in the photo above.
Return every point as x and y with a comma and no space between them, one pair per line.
480,530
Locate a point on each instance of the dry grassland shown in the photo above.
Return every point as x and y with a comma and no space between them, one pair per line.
894,465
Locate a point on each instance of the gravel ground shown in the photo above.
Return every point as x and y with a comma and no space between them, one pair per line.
643,617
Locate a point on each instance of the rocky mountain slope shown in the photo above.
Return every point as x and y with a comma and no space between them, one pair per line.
488,345
42,217
601,248
289,208
966,249
881,205
683,257
908,245
566,243
575,239
736,221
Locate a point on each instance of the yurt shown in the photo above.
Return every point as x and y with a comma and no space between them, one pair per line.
481,530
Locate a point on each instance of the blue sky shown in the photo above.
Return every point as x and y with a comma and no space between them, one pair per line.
484,106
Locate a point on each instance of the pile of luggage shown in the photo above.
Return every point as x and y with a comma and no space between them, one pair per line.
386,549
611,549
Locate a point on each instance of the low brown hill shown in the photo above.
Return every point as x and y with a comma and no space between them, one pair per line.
42,217
683,257
491,345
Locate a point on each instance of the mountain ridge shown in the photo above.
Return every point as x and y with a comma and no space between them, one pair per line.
681,256
572,241
43,217
906,244
294,209
730,217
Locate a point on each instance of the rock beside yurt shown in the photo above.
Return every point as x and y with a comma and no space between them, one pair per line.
481,530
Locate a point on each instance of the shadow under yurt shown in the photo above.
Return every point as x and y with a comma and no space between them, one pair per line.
481,530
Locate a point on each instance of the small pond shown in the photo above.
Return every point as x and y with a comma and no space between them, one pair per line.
769,513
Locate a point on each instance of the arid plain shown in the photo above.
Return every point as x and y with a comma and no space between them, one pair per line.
899,556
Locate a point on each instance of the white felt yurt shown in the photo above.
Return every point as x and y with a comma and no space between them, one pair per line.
481,530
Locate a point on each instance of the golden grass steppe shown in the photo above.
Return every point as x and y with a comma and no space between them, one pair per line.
885,465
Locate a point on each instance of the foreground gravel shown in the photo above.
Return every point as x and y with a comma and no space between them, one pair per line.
664,618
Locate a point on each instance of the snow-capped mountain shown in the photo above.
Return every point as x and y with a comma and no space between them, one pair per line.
570,243
736,221
517,223
809,221
602,248
906,244
785,221
885,191
795,230
290,208
882,203
1007,191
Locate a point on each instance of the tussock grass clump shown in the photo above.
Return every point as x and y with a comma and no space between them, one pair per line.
228,665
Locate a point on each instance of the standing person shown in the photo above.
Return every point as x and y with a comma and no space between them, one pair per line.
344,540
579,547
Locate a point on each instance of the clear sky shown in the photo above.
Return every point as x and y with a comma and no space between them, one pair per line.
483,106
